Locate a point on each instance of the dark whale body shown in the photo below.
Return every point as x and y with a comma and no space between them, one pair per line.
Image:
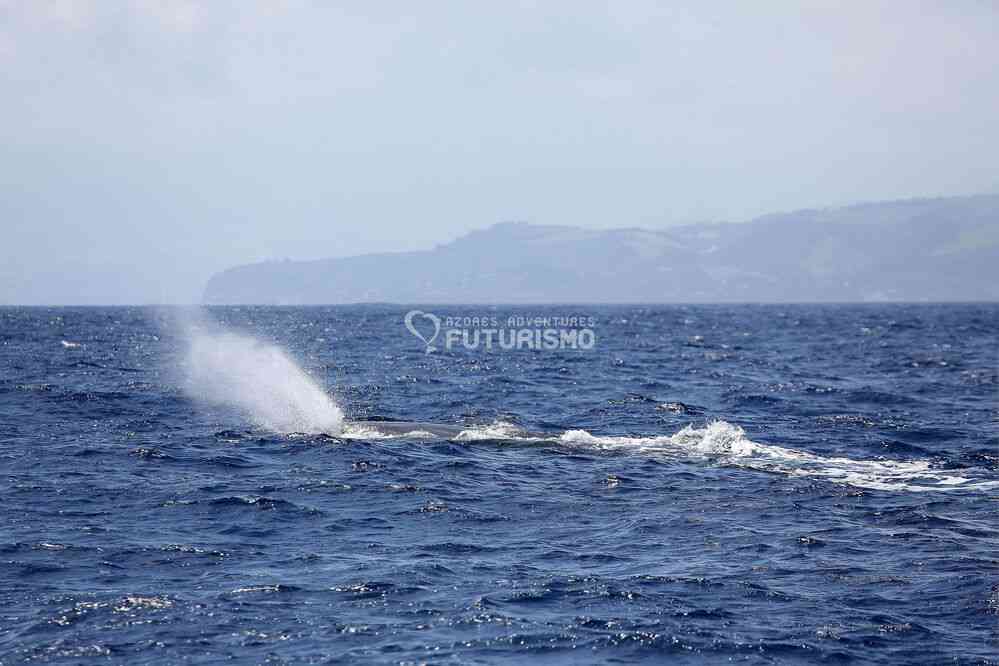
442,430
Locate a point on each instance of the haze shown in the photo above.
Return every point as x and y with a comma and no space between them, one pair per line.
147,145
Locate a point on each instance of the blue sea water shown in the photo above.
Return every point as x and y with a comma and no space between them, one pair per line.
757,484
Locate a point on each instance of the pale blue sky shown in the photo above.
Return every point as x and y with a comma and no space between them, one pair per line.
148,144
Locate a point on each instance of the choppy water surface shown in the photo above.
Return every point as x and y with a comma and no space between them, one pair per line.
762,484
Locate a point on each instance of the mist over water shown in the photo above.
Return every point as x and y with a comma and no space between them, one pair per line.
257,378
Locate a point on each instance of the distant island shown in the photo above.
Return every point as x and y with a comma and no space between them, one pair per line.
923,250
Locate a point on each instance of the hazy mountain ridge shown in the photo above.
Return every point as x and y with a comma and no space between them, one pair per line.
944,249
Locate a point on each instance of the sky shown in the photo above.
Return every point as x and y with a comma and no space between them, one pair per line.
146,145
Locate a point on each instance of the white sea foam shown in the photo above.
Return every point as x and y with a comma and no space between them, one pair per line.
727,444
257,378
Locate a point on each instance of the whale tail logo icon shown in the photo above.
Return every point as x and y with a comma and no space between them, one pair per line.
419,315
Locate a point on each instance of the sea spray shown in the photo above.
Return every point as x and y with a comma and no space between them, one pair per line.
255,377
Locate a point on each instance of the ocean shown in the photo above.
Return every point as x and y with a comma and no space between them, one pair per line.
761,484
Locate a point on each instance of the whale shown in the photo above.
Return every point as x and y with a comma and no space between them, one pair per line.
401,428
